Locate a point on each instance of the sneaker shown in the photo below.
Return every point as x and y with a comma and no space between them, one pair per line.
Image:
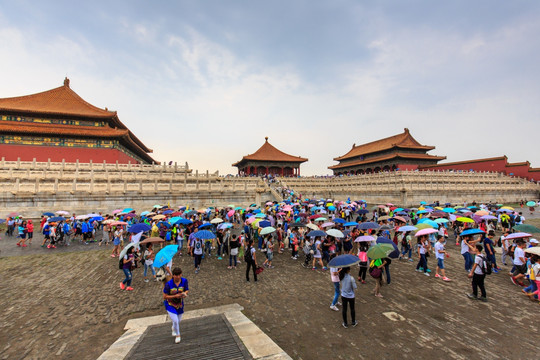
146,280
155,279
411,260
495,271
18,244
513,278
334,307
446,279
379,295
196,271
354,323
313,268
122,286
428,270
427,274
325,268
129,288
24,245
472,297
483,299
177,340
220,258
271,266
363,281
304,265
437,275
345,325
418,270
48,246
173,332
338,303
112,255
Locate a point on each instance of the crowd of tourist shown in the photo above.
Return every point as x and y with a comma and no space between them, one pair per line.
311,232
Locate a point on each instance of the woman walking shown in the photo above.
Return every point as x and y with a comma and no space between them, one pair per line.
148,257
347,296
423,249
362,255
128,262
174,293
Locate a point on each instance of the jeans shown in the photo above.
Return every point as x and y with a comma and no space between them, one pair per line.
231,257
387,272
336,293
493,260
208,247
151,268
468,261
127,280
350,302
180,243
197,259
422,263
219,249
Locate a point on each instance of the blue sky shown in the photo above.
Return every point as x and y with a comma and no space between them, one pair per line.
206,81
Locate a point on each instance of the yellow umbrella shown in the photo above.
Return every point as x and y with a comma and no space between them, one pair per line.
508,207
438,208
159,217
465,219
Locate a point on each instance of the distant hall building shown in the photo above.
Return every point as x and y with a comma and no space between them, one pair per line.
59,125
268,160
398,152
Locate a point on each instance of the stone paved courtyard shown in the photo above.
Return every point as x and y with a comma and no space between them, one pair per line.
68,305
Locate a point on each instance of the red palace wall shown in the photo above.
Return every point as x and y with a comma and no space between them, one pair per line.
495,165
56,154
407,167
521,171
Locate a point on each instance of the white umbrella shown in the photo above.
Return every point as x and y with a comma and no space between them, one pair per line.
335,233
533,250
216,221
312,226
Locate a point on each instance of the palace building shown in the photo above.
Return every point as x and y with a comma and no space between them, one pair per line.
398,152
59,125
269,161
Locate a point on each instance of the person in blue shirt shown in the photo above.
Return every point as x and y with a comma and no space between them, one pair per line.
174,293
46,234
490,250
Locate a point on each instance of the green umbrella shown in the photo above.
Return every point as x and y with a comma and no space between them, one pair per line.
267,230
423,226
380,251
321,219
531,203
527,228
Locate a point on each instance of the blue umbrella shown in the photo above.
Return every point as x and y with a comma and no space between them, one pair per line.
174,219
183,221
316,233
331,208
394,254
339,221
126,210
351,223
164,223
57,219
472,232
423,203
264,223
407,228
256,211
430,222
145,212
449,210
204,235
165,255
363,211
225,225
97,218
342,261
137,228
48,214
206,225
167,212
368,225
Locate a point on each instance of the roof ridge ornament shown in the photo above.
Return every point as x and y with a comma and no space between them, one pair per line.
266,138
66,82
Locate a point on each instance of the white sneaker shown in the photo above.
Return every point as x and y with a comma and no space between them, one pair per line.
173,332
427,274
177,340
334,307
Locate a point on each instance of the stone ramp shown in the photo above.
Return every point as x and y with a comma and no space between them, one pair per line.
221,332
208,337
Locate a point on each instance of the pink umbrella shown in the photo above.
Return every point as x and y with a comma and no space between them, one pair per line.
364,238
425,232
250,220
269,203
117,211
116,223
311,205
230,213
327,224
518,235
281,213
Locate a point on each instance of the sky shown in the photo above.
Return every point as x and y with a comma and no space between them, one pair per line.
204,82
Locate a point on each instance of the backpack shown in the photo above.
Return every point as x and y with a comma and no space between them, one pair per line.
247,255
314,247
517,219
487,265
121,263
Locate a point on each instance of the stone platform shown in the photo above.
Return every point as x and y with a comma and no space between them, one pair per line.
221,332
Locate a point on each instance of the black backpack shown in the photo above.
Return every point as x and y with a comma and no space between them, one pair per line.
121,263
487,265
247,255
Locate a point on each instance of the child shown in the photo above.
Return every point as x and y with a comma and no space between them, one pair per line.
440,252
362,255
269,253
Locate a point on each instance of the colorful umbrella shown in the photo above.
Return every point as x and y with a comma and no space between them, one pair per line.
342,261
527,228
165,255
335,233
465,219
268,230
425,232
364,238
379,251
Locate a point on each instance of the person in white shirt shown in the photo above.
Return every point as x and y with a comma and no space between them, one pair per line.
505,247
478,276
520,263
440,253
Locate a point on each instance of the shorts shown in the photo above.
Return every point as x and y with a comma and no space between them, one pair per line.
269,256
22,236
520,269
116,241
30,235
440,263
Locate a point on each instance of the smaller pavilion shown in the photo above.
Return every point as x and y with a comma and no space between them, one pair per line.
269,161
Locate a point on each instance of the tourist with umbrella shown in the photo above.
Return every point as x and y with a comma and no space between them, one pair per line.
423,249
128,261
148,257
174,293
378,253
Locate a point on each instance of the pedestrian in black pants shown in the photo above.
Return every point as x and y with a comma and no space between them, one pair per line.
251,260
348,286
478,276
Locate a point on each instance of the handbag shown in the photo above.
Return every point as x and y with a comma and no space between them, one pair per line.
259,270
375,272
